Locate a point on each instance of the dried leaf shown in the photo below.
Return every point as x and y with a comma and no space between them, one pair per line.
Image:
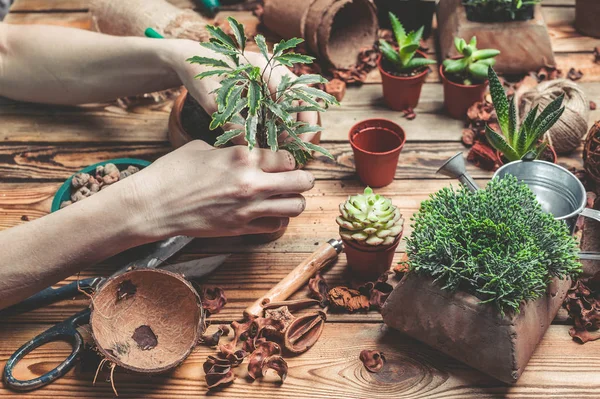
348,299
583,305
318,289
372,360
145,338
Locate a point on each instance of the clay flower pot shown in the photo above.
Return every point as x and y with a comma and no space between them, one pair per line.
401,92
376,144
368,261
458,98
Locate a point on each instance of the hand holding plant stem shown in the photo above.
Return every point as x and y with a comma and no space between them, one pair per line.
473,67
244,97
517,143
404,60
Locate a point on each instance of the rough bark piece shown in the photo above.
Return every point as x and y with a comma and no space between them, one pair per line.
456,324
524,45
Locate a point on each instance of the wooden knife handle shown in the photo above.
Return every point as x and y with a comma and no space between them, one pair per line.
297,277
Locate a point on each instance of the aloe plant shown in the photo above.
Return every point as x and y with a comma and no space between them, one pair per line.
516,143
244,97
403,59
474,64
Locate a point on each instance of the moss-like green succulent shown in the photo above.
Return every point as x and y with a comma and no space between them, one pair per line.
496,243
370,219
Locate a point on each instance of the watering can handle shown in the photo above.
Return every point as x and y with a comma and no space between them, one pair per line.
591,213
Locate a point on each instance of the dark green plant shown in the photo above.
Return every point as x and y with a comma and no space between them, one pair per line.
496,243
525,141
474,64
244,97
497,10
403,60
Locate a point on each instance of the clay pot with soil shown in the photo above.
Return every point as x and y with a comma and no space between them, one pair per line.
465,77
376,144
403,71
371,228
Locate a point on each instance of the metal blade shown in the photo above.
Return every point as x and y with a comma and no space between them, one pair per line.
160,253
197,268
589,255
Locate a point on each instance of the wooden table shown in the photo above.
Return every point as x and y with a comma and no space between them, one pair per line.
44,145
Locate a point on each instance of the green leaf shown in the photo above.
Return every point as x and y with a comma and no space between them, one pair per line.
220,36
397,28
262,46
238,31
460,44
543,127
212,62
290,59
500,144
512,124
224,90
316,93
456,66
212,72
307,99
309,79
314,147
407,52
251,124
283,45
219,48
417,63
415,37
527,125
306,128
304,108
485,54
389,52
499,99
255,96
280,113
228,135
272,135
473,42
478,70
488,62
550,108
234,104
284,84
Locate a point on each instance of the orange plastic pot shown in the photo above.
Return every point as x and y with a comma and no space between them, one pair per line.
367,261
376,144
458,98
401,92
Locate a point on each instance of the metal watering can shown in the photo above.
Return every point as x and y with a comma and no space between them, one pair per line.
558,191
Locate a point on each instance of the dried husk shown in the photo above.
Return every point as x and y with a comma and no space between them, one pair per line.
304,332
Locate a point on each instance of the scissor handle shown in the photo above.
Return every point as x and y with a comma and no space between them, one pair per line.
65,331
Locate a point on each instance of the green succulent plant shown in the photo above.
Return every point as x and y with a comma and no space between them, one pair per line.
474,64
244,97
370,219
496,243
515,142
403,59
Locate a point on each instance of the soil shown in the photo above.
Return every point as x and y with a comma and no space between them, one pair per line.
389,68
196,121
460,79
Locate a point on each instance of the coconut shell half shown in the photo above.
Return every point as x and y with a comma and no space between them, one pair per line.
146,320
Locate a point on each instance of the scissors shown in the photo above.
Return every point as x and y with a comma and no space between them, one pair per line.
67,330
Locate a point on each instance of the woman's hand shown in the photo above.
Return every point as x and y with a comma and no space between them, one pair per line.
201,88
201,191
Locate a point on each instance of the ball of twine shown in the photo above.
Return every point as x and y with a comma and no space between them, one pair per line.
568,131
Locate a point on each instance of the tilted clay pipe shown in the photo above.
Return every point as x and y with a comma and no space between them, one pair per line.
297,277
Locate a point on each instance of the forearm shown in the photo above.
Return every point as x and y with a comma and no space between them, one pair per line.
60,65
42,252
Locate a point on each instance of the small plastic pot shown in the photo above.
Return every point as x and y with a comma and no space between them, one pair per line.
401,92
376,144
367,261
64,192
458,98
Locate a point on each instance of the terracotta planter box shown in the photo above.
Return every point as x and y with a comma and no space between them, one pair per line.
524,45
456,324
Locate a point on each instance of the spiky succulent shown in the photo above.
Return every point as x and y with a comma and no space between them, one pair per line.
370,219
473,66
404,59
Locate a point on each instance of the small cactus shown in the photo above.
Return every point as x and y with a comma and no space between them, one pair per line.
370,219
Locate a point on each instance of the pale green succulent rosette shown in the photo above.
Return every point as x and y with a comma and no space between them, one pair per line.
370,219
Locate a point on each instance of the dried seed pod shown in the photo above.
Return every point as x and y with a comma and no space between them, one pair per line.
281,314
263,326
213,340
318,289
347,298
236,358
79,180
213,299
214,361
264,349
379,294
291,304
276,363
219,375
304,332
372,360
238,330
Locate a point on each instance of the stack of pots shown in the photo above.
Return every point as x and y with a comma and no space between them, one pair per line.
334,30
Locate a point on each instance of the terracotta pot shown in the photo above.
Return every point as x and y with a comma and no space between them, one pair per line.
178,136
586,17
550,150
367,261
458,98
376,144
401,92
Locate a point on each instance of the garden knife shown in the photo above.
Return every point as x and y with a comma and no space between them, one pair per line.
194,269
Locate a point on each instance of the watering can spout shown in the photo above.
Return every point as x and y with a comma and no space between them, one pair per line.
455,168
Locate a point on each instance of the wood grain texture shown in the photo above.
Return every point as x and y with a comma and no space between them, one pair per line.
559,368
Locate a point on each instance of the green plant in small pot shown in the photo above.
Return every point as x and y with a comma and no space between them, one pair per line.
525,141
465,77
244,98
370,227
499,10
488,271
403,71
